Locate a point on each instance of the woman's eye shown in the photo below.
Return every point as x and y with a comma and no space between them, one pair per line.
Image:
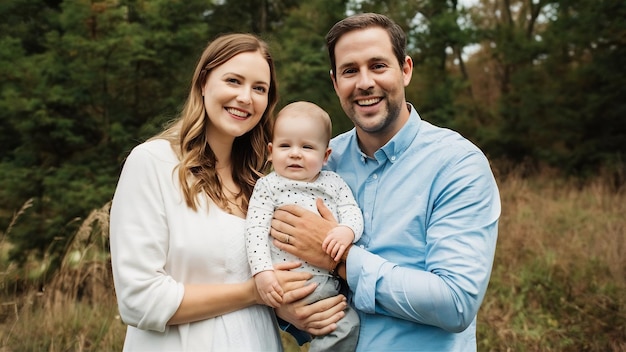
261,89
232,80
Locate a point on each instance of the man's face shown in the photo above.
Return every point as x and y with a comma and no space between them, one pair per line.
370,82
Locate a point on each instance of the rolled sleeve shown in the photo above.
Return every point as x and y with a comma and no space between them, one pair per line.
147,296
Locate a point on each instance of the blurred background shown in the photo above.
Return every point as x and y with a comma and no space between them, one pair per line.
538,85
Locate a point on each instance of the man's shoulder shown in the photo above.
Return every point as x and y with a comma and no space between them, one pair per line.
340,145
342,139
446,138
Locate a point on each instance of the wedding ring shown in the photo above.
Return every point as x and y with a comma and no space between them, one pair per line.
287,239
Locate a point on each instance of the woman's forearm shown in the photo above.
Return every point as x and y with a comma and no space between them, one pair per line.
204,301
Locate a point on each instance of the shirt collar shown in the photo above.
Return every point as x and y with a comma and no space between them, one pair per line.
399,143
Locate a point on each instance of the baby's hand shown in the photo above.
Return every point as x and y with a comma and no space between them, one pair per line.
337,240
269,289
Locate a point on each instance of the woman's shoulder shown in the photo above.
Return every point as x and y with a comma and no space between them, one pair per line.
159,149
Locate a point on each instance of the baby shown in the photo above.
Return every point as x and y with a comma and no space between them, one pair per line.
298,151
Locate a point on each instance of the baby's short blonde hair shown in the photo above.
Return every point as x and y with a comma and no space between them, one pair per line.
308,109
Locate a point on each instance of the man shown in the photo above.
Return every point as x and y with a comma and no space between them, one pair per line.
429,200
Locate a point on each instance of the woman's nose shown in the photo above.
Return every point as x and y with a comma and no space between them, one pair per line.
244,96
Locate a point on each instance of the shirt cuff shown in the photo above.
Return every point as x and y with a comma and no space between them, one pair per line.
362,271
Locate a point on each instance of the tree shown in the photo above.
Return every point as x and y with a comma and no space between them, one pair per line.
302,58
101,78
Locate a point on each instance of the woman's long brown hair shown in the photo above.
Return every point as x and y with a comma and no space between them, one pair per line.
187,134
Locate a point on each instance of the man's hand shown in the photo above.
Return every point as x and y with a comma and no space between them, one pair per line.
302,232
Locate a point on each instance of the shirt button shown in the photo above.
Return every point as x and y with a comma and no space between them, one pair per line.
393,158
375,177
362,246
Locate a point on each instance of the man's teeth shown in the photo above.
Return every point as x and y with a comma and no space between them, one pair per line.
368,101
237,112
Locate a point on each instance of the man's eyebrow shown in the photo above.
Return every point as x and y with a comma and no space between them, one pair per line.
370,61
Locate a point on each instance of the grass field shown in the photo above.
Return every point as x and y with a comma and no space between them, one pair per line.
558,281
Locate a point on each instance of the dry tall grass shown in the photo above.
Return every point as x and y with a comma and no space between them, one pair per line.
557,283
560,268
76,310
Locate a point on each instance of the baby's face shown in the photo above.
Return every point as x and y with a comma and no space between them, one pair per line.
299,148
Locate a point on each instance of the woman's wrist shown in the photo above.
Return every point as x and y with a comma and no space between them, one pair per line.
256,298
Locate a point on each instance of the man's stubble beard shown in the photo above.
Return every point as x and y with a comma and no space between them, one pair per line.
383,125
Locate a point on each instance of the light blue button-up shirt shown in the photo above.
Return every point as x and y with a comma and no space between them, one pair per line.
431,207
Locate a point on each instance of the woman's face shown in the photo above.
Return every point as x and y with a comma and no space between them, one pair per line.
236,95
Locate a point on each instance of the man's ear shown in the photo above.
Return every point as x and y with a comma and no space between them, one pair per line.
407,70
332,78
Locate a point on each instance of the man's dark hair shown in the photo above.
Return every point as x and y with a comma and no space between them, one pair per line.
363,21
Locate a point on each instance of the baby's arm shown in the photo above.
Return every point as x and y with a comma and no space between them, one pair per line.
337,240
269,288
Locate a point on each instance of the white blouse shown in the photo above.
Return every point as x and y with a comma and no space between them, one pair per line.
158,244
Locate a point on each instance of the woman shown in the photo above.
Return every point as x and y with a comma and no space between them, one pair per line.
177,219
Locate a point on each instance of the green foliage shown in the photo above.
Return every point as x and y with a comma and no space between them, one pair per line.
302,59
99,82
562,100
82,82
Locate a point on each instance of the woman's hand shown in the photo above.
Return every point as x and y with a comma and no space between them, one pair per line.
318,318
293,280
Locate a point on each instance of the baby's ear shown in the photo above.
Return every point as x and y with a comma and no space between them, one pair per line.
269,151
327,154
